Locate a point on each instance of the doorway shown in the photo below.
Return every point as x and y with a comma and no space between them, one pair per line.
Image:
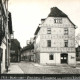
64,58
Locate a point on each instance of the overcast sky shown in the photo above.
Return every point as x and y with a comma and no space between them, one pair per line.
27,15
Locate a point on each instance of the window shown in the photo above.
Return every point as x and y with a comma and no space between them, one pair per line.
55,20
48,30
49,43
65,43
65,31
58,20
51,57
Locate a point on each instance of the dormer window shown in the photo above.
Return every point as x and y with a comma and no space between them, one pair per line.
58,20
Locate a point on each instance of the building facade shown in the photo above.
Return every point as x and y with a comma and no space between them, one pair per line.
5,34
15,51
55,39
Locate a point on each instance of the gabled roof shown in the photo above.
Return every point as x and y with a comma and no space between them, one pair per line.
55,12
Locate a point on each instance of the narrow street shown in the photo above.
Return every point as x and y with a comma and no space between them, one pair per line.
30,68
33,68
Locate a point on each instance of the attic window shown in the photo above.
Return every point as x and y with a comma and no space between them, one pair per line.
58,20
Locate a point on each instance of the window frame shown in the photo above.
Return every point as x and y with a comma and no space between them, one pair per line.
48,43
65,43
48,30
65,31
51,57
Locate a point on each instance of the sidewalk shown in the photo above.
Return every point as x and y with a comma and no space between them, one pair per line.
14,69
55,66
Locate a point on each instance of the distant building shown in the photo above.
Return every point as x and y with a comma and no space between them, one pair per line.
28,42
15,51
55,39
27,53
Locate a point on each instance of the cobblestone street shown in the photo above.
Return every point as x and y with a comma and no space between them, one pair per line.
34,68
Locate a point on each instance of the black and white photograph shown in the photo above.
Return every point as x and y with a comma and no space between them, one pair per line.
40,37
